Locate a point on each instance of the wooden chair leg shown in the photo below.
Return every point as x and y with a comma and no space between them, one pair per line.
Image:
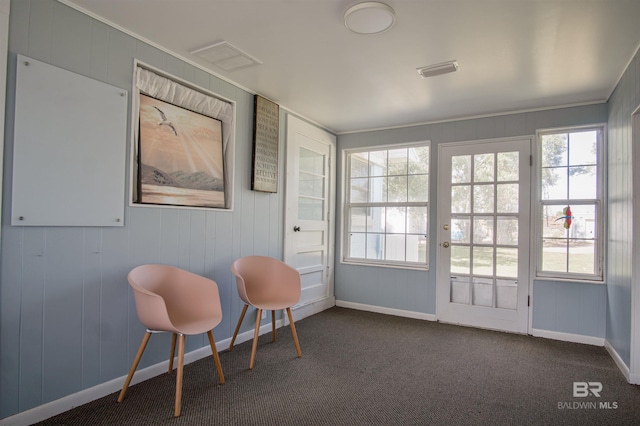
216,358
176,412
174,336
255,339
143,345
235,333
293,331
273,326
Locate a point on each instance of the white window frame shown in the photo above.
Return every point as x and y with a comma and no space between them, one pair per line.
600,205
346,222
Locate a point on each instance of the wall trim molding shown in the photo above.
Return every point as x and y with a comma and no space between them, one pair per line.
53,408
568,337
309,309
384,310
634,361
50,409
5,6
476,117
183,58
632,378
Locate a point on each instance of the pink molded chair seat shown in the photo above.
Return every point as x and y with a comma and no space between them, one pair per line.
266,284
181,302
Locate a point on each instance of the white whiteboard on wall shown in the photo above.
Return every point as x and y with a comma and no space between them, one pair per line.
69,152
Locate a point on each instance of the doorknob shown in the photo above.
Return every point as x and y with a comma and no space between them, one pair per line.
445,244
296,229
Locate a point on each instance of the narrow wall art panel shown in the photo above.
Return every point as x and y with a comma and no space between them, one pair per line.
264,176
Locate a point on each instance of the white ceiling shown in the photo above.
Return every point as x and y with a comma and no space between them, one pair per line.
514,54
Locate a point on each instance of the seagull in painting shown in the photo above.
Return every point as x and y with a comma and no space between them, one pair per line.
165,121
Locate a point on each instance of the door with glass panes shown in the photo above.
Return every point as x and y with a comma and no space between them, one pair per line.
483,234
310,188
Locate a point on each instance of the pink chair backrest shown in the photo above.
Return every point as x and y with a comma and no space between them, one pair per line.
164,294
261,278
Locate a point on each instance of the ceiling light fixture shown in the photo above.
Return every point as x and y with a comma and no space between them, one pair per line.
369,18
437,69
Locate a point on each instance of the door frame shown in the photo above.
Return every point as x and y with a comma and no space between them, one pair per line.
322,136
5,6
440,272
634,357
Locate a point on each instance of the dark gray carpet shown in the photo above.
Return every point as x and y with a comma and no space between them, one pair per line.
361,368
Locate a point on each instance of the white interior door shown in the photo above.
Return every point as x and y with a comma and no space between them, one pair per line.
310,191
483,232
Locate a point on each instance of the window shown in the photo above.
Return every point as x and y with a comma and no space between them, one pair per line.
387,200
571,194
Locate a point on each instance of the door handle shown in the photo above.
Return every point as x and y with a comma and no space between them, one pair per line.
296,229
445,244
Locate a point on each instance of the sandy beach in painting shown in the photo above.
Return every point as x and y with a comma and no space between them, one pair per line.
162,194
180,157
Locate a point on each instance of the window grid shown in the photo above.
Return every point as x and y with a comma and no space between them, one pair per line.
571,175
387,206
497,211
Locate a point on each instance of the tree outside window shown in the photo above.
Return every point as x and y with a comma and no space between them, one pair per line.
570,208
387,206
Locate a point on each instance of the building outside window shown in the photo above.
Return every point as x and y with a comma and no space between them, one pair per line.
386,208
570,209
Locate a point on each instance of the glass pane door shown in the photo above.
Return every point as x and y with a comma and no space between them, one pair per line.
483,221
311,185
484,229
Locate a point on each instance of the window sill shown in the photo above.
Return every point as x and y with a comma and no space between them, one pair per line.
593,280
353,262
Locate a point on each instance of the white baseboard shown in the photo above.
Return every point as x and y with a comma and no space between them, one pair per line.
632,378
68,402
302,311
61,405
387,311
568,337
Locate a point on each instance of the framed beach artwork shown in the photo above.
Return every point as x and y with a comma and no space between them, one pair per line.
180,158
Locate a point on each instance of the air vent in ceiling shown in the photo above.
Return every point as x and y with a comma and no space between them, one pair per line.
437,69
226,56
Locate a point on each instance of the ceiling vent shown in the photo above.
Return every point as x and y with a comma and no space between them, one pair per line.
226,56
438,69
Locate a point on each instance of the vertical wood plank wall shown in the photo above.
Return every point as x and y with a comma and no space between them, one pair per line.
563,307
623,102
67,316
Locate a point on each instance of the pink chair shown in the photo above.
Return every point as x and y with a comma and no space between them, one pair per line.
174,300
266,284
